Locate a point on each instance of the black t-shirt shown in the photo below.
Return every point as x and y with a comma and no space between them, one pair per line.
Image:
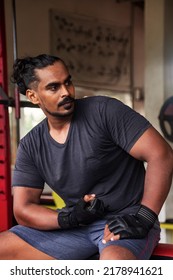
93,159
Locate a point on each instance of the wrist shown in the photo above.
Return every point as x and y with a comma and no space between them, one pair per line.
67,220
147,215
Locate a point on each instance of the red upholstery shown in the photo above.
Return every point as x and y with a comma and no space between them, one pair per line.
164,251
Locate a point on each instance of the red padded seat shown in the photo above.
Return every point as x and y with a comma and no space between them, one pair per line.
163,251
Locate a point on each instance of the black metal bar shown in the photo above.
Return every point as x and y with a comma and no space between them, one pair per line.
16,93
131,53
11,103
14,30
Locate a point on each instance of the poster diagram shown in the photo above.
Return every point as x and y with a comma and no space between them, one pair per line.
97,53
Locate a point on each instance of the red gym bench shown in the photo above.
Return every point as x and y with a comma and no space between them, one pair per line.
163,251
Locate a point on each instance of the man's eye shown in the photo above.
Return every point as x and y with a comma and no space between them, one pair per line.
68,82
54,87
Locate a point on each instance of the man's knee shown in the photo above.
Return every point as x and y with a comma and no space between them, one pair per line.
7,245
114,252
14,248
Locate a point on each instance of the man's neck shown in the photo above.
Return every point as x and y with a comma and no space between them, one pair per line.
59,128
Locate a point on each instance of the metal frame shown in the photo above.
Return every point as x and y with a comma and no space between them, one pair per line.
5,166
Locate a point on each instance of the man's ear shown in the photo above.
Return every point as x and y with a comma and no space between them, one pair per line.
32,96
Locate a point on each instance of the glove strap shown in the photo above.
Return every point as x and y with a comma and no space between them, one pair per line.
147,214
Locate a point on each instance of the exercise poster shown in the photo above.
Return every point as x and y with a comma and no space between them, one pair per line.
96,52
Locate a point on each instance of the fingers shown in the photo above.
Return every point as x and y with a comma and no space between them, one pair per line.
109,236
89,197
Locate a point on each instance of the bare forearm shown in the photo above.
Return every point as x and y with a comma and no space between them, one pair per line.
157,183
37,216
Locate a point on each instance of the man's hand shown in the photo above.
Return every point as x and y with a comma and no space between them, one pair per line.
130,226
86,211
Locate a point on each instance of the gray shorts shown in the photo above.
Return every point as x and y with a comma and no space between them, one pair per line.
83,242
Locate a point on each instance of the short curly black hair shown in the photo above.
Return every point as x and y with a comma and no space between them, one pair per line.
24,69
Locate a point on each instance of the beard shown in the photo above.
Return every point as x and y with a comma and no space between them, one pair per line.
59,114
67,103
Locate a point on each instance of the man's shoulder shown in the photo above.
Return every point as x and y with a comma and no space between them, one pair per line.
93,99
99,104
35,132
96,101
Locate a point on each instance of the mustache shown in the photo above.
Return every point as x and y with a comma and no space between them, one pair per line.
66,100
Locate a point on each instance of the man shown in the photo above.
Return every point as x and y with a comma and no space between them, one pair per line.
91,152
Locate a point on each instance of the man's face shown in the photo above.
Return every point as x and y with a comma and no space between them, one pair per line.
55,92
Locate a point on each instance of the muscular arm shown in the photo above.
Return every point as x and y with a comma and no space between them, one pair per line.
158,155
29,212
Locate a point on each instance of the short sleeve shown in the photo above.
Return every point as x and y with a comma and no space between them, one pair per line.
25,172
124,124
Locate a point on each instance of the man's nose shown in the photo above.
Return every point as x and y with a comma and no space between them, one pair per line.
64,91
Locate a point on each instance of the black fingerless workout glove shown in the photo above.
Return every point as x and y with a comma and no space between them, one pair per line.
83,213
133,226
